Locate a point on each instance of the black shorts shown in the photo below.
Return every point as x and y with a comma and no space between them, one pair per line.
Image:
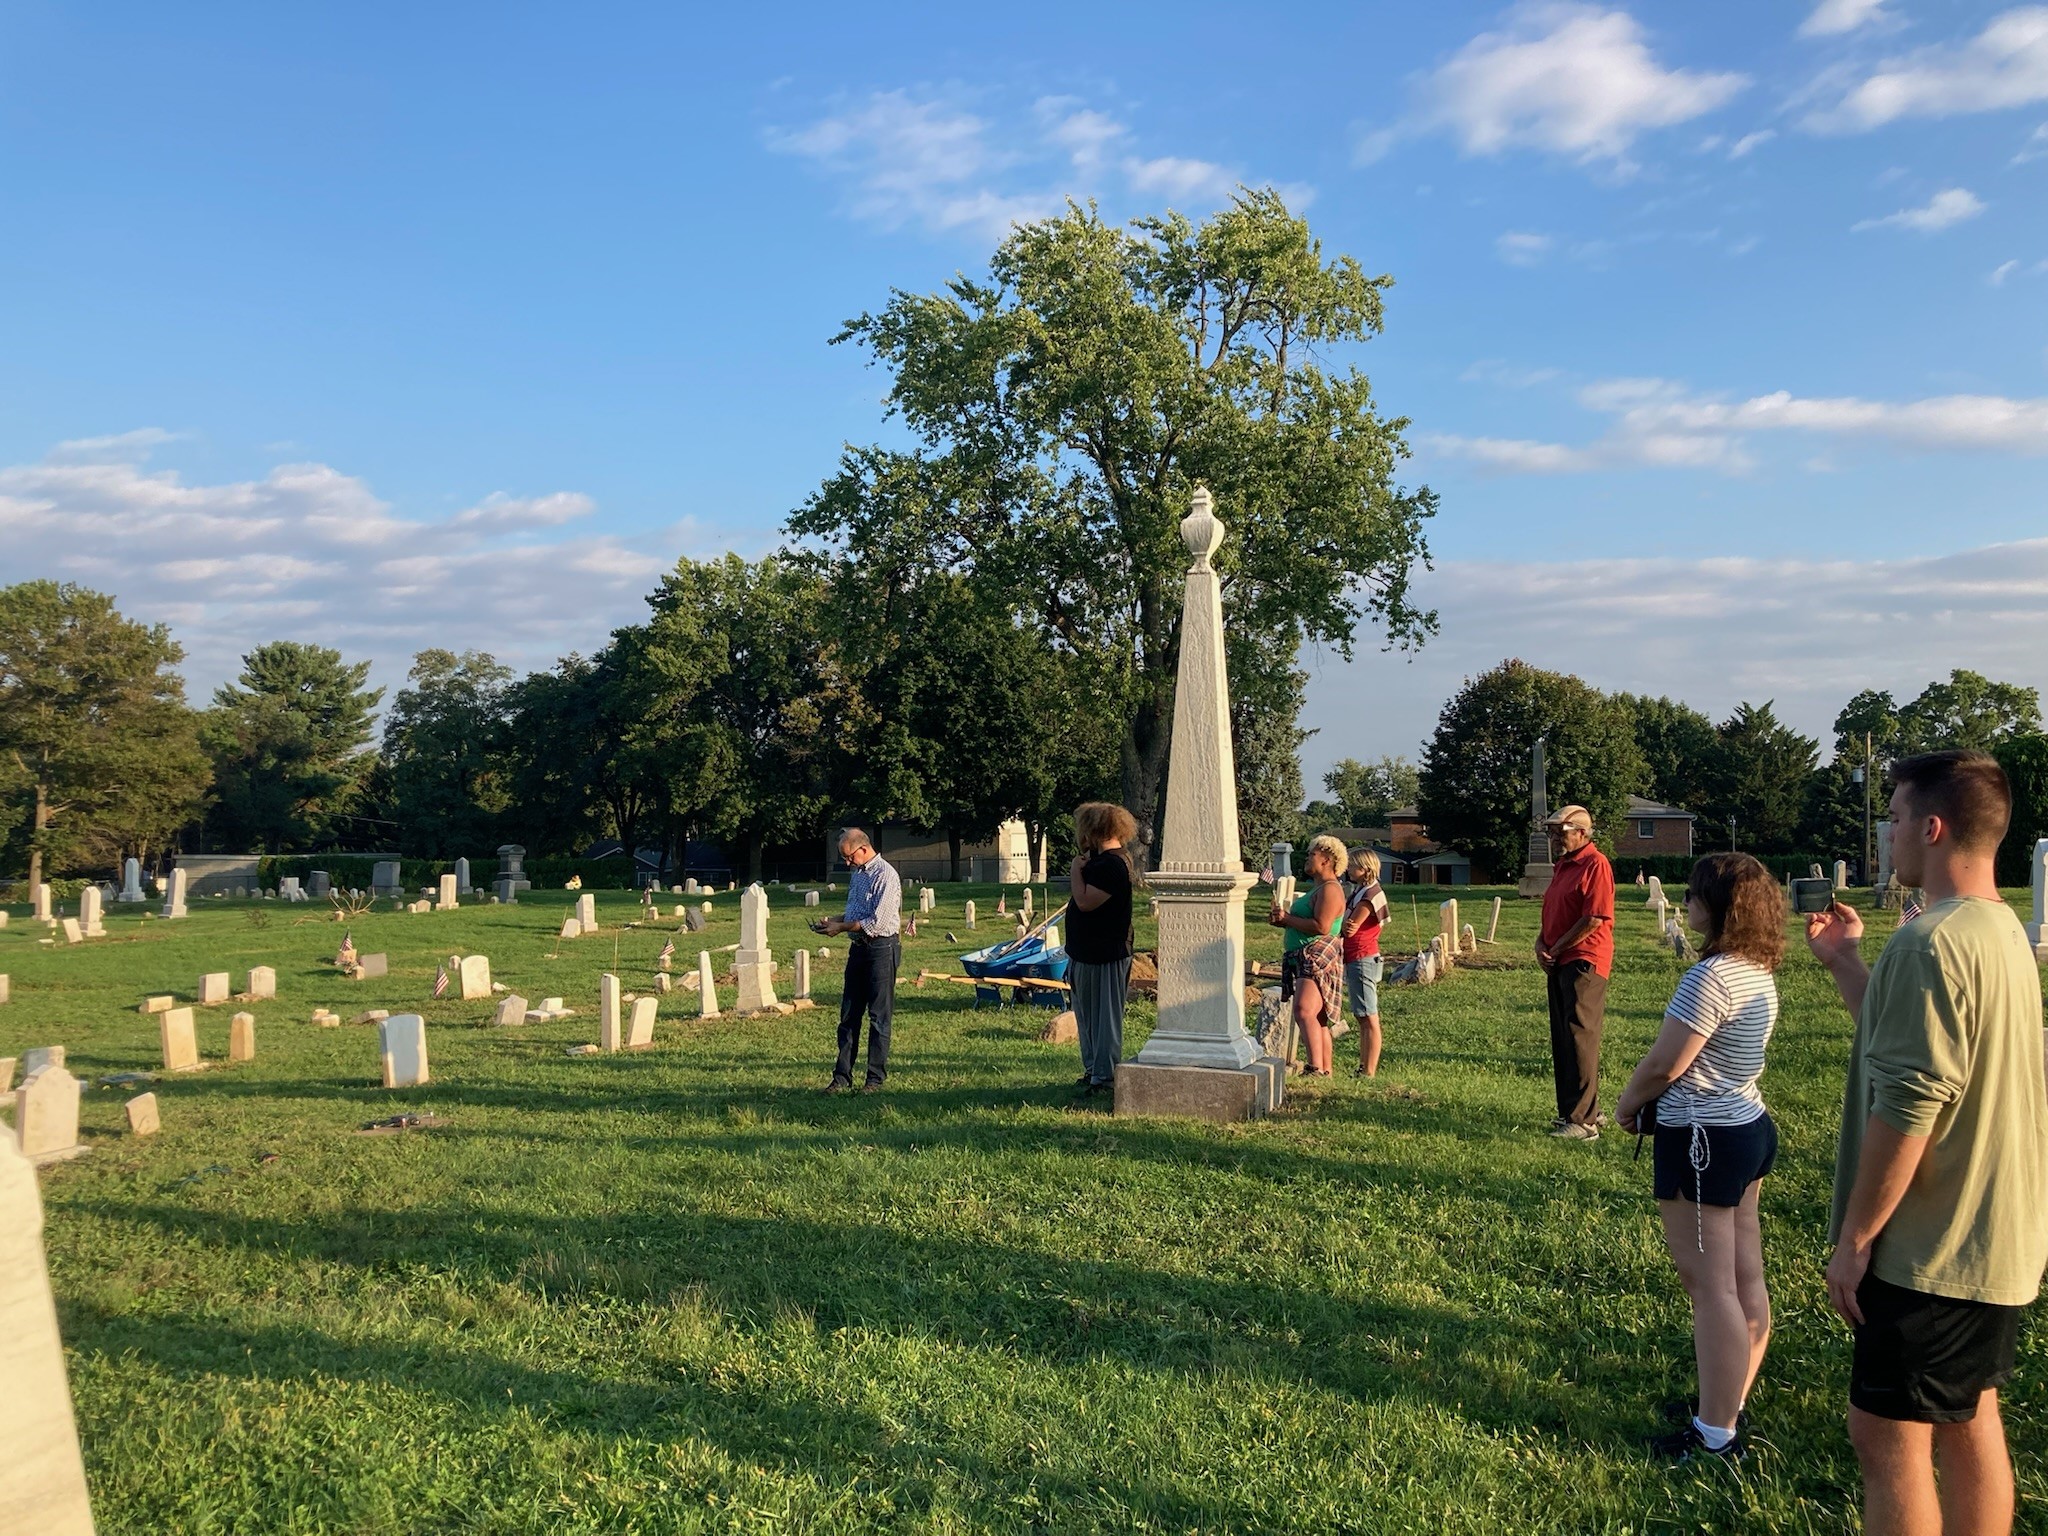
1927,1359
1736,1157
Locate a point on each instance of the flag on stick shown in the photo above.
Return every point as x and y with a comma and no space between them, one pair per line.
668,950
441,982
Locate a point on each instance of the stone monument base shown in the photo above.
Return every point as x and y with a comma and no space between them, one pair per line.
1222,1094
1535,880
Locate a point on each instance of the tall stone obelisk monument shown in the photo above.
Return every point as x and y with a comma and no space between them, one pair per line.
1536,873
1199,1060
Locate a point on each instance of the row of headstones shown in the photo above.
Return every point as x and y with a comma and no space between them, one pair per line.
46,1103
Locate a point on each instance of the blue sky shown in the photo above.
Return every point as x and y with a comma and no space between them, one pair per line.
1723,329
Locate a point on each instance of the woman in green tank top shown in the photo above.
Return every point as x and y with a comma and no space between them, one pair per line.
1312,961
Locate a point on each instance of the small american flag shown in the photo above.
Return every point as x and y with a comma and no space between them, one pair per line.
1910,910
441,982
668,950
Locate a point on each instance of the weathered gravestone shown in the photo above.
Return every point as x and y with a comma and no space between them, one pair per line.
262,981
89,913
571,929
73,934
511,867
608,1012
372,966
180,1043
707,987
810,898
970,917
800,979
693,920
44,912
476,977
586,911
37,1057
403,1038
446,898
511,1010
45,1491
242,1037
641,1033
142,1115
385,879
2037,929
322,884
174,896
46,1115
754,967
213,988
462,885
131,881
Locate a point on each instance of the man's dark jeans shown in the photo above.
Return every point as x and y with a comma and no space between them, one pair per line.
870,989
1578,1011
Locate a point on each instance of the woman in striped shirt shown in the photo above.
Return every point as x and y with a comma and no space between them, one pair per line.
1714,1138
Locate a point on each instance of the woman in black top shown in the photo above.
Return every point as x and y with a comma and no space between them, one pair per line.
1099,938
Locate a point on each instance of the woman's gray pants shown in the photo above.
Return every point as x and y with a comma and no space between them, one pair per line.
1099,992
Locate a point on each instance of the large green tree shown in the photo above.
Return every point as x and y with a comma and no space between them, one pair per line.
287,740
99,748
761,721
1758,791
1066,405
2024,756
442,738
1678,745
1969,710
1368,793
1475,774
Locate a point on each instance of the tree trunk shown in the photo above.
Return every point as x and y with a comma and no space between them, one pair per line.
1146,741
953,851
755,848
35,847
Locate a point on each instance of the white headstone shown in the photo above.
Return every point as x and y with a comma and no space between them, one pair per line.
45,1492
608,1012
1447,921
640,1030
262,981
404,1039
213,988
690,886
242,1037
1493,925
571,928
800,981
142,1115
810,898
754,926
1656,896
181,1045
927,899
46,1113
2037,930
44,911
89,913
1027,904
970,917
586,911
1201,880
707,987
73,934
476,977
6,987
37,1057
756,986
446,897
131,880
1841,874
174,896
511,1010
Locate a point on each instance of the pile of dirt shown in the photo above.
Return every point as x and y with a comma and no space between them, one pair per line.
1144,975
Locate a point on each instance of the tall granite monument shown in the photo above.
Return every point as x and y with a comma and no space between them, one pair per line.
1536,873
1199,1060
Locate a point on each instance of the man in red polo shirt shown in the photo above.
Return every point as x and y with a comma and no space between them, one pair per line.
1576,950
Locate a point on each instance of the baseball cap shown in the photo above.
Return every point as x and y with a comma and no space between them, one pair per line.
1572,816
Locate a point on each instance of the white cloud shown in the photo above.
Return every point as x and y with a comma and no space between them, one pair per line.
310,553
2001,272
1949,206
930,160
1522,247
2005,65
1750,142
1831,18
1807,633
2036,147
1660,424
1567,79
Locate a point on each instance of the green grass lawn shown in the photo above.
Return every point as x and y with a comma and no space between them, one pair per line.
679,1291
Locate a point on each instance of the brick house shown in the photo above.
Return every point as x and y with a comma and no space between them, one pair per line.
1651,828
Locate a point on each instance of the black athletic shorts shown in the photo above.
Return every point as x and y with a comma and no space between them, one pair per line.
1927,1359
1736,1157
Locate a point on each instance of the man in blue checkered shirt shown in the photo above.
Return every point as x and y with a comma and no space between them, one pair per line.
873,920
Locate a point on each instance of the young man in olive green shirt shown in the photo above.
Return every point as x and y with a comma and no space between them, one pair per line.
1941,1181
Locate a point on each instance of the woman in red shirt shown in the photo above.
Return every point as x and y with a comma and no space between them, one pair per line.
1365,913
